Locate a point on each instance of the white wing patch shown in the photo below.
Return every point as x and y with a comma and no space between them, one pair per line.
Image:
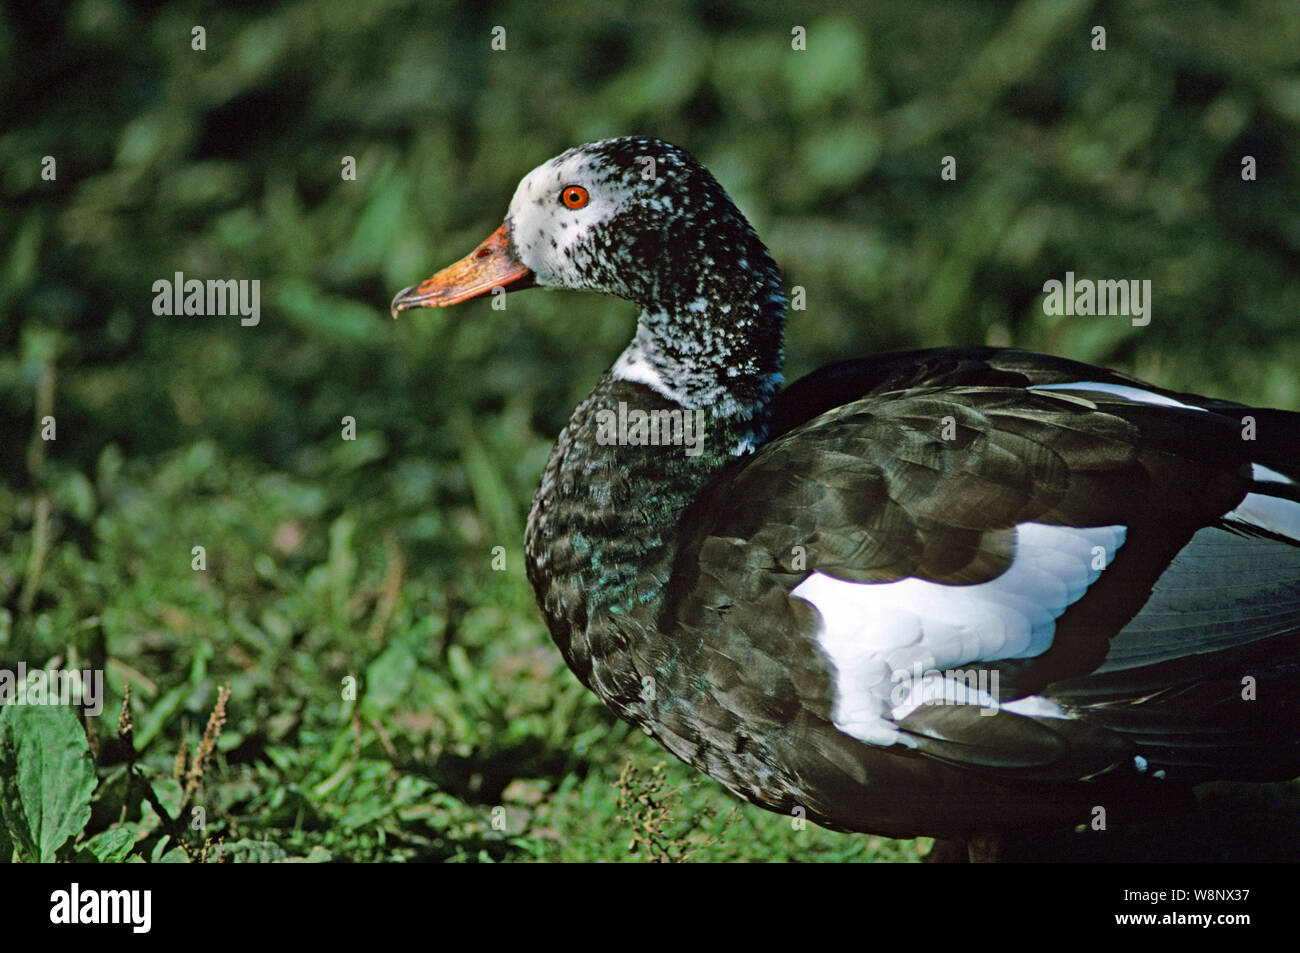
1135,394
1262,474
894,644
1270,513
1036,706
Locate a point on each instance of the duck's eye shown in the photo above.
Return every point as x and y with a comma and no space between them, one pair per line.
574,196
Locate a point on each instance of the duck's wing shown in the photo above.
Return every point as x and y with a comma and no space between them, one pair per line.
1112,573
837,384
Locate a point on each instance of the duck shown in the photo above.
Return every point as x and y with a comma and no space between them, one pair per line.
943,592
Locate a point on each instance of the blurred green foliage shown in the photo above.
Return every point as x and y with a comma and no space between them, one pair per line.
371,559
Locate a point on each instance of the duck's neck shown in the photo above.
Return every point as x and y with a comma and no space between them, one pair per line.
712,340
690,394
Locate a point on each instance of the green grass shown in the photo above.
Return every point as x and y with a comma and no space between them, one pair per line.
465,737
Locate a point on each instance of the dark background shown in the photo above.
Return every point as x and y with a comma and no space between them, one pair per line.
372,558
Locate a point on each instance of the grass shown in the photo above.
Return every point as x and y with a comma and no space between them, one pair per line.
378,710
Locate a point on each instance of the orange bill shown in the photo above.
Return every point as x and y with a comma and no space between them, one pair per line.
492,265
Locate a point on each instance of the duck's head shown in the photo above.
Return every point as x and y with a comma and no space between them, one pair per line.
643,220
633,217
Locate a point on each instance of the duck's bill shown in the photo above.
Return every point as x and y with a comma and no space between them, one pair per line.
491,265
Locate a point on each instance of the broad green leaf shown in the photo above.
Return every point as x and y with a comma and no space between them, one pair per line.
46,778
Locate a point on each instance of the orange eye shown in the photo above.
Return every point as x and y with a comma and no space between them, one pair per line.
574,196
